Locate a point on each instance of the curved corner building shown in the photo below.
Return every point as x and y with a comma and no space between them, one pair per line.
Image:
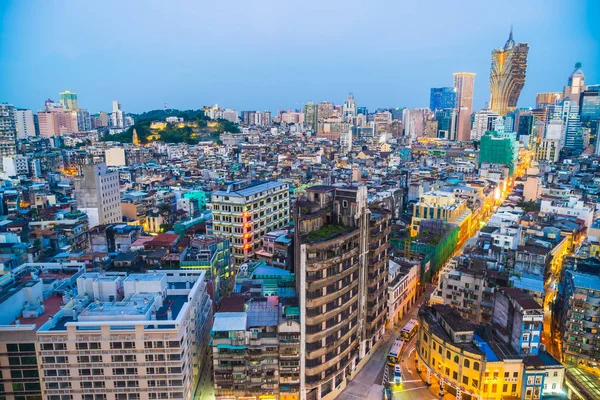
341,253
507,75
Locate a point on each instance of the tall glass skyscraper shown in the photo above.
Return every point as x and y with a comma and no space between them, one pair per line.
442,98
568,112
507,75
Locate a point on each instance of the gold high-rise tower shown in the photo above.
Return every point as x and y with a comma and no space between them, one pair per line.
507,75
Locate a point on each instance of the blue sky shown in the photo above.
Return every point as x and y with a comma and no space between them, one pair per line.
269,54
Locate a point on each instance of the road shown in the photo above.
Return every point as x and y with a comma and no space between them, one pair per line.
368,383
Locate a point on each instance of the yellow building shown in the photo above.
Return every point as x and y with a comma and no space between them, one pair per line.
441,206
470,362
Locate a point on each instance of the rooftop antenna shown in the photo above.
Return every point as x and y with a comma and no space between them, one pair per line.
165,104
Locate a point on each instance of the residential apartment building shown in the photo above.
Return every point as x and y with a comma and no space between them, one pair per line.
8,130
245,212
213,255
521,317
98,195
341,250
256,341
463,284
570,206
142,336
403,285
24,123
31,295
580,317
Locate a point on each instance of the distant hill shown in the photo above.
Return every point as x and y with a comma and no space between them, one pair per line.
160,115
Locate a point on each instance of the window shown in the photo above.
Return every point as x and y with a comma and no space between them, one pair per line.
456,358
514,388
475,383
504,388
506,374
494,388
515,374
465,380
467,363
476,366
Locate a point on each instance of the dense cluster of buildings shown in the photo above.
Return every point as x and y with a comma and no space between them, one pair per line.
271,262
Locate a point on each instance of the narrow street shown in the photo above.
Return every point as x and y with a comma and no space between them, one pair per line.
368,383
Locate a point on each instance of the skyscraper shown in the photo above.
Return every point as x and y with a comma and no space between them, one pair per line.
442,98
116,117
524,123
507,75
464,85
68,100
575,85
446,128
349,109
589,110
310,115
568,112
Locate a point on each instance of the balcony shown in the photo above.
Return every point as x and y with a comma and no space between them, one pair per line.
593,301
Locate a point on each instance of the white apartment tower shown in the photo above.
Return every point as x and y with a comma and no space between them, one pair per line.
24,123
485,120
346,141
142,336
116,118
97,192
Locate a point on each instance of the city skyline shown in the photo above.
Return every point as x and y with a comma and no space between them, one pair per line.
295,62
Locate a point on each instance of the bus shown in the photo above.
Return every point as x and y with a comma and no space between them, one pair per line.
409,329
395,351
397,374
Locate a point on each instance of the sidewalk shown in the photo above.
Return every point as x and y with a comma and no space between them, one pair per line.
434,388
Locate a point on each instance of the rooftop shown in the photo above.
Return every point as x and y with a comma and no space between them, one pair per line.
253,188
585,281
522,298
229,321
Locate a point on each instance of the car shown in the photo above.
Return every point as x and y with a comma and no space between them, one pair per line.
397,374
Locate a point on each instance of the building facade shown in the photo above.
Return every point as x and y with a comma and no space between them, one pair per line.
98,195
142,336
507,76
8,130
580,319
68,100
25,124
245,212
442,98
464,85
342,263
